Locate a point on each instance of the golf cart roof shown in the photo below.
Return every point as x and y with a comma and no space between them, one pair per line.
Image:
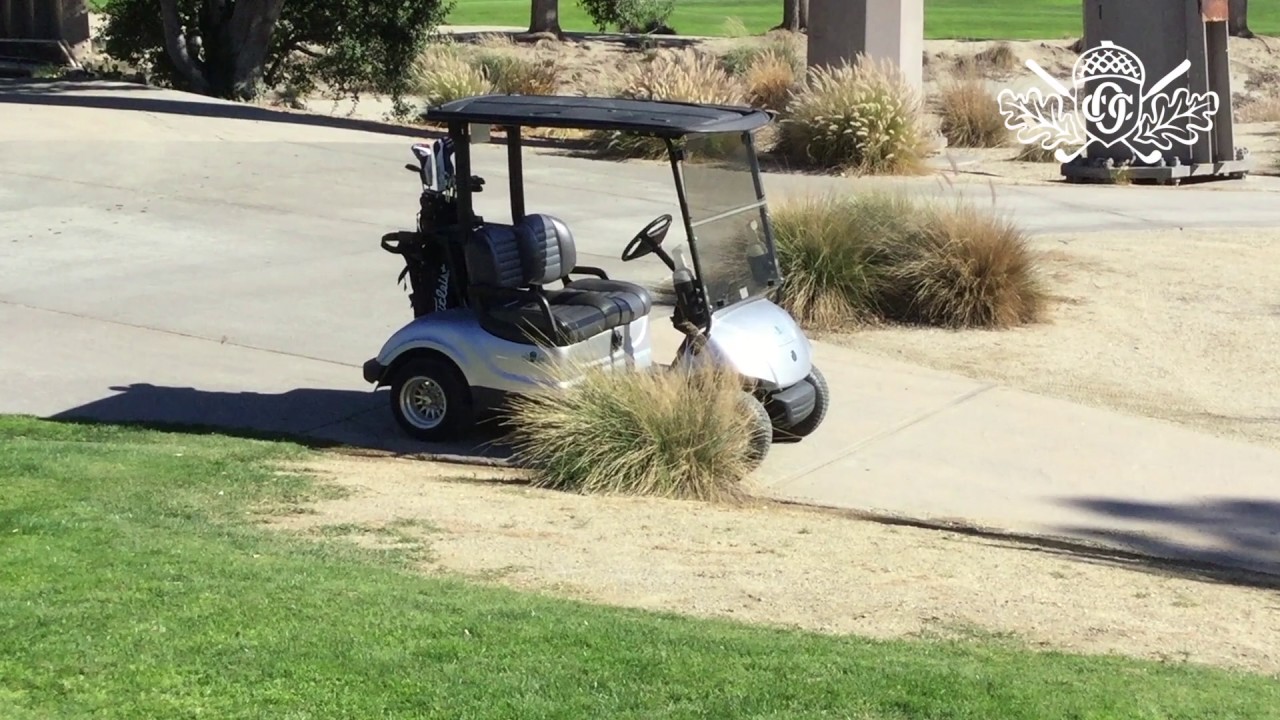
670,119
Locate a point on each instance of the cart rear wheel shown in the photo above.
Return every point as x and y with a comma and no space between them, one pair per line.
430,400
760,429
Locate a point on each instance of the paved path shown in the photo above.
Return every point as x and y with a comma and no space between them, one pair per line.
159,262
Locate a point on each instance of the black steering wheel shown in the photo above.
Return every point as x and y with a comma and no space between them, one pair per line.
648,239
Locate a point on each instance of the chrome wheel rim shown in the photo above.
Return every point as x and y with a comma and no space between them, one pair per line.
423,403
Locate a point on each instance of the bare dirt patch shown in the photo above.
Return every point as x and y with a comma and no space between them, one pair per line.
786,566
1178,325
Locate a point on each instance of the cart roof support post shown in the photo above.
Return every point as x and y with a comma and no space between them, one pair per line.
460,133
515,171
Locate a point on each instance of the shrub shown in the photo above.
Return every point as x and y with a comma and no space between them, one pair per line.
514,75
964,268
970,114
343,46
770,80
684,75
442,75
678,433
879,257
862,117
630,16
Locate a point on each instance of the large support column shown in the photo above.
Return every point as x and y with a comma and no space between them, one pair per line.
892,30
46,21
74,22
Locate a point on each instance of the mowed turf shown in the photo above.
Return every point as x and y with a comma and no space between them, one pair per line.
135,584
973,19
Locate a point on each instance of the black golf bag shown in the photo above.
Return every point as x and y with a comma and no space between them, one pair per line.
432,262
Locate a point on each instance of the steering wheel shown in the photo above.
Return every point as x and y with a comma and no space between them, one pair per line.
648,239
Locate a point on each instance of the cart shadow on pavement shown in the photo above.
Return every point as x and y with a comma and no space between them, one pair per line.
319,418
1225,532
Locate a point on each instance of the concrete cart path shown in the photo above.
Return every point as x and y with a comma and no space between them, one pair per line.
161,261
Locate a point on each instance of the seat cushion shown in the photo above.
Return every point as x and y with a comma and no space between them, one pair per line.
524,322
623,302
493,257
546,247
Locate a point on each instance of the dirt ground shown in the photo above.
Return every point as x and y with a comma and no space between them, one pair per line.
787,566
1182,326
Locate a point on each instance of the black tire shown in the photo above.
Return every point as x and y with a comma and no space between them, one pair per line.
431,381
761,429
821,402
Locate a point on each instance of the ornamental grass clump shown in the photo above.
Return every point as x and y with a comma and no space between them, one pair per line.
443,74
861,118
679,433
687,76
964,268
885,257
970,114
832,254
770,81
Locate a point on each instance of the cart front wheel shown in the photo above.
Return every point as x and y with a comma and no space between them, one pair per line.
430,400
821,400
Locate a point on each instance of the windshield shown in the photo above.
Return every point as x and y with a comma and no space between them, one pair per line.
728,217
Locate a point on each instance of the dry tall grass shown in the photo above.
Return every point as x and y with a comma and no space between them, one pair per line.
969,114
685,75
511,74
862,117
884,257
965,268
443,74
832,256
770,80
680,433
999,59
791,46
1258,109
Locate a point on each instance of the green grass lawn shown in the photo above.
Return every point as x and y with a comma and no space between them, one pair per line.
134,585
976,19
985,19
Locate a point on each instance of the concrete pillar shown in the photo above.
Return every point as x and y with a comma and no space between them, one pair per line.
57,20
891,30
73,25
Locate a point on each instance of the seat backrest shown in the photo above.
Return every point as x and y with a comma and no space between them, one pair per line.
493,257
546,247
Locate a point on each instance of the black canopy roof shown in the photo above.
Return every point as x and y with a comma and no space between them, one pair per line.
599,113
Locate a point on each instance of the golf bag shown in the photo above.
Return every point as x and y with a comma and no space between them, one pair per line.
427,253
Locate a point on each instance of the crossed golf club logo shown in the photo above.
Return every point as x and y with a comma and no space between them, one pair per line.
1109,92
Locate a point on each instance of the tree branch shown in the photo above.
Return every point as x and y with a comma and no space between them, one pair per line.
175,42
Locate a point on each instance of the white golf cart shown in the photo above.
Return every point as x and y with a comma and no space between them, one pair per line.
496,304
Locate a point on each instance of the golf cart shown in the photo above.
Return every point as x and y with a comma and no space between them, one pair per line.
496,304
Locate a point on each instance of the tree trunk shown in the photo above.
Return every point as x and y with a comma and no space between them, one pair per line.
544,17
252,24
795,15
175,43
1238,18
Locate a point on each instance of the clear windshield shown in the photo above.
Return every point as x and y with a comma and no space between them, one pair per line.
728,216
